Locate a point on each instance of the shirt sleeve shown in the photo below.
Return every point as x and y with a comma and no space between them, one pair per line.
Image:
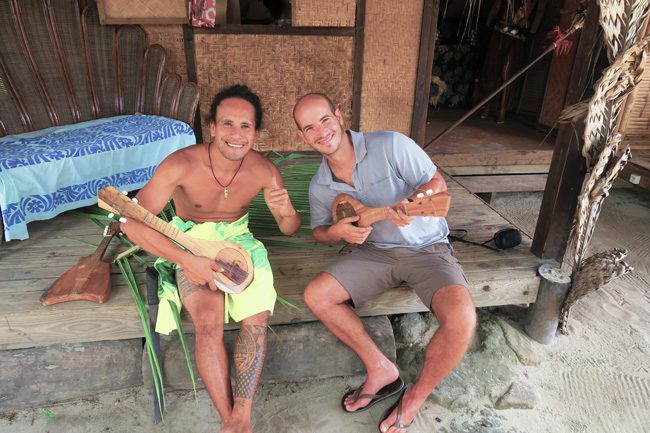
320,210
411,162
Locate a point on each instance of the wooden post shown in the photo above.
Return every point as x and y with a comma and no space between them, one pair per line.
357,74
544,315
190,64
568,168
425,63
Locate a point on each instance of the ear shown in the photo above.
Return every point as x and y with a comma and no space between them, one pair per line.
213,128
339,116
301,135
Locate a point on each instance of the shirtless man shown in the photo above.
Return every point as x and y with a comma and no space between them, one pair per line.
381,169
212,186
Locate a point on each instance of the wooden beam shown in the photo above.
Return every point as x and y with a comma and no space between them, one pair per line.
425,63
190,65
503,183
471,170
254,29
357,74
568,169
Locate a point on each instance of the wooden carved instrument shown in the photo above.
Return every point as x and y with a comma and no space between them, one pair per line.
88,280
236,266
426,204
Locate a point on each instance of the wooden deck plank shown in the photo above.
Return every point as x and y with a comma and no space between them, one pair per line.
26,323
29,267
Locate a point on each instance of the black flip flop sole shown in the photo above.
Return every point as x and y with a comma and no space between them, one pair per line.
384,393
390,409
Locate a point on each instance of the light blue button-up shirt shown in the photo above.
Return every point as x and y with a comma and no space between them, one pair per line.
389,168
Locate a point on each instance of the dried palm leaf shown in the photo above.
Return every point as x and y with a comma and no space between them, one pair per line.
594,191
618,80
598,195
621,21
594,273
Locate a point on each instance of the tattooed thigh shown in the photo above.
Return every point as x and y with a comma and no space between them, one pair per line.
185,288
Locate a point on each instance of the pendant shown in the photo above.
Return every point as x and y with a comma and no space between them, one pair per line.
225,193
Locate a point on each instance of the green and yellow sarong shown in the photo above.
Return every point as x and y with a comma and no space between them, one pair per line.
259,296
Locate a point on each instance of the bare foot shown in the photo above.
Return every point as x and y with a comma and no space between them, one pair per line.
375,381
410,408
237,426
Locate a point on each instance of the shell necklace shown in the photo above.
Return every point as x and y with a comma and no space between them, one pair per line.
226,193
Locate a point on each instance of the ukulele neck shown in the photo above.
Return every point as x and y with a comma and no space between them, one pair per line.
169,231
371,215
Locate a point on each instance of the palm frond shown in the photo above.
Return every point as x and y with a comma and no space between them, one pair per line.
181,337
156,371
287,303
621,21
617,81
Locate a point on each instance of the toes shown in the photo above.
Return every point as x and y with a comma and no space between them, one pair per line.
388,422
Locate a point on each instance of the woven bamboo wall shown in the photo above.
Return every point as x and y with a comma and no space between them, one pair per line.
635,122
171,38
142,11
391,50
279,69
315,13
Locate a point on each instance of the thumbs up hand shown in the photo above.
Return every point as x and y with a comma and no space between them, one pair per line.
277,199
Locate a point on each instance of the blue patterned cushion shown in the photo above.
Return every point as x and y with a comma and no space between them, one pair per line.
46,172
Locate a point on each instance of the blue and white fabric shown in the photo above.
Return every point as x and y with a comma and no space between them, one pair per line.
46,172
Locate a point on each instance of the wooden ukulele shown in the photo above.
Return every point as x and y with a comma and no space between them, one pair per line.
426,204
235,262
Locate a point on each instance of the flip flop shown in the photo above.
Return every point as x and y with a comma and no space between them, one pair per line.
387,391
398,405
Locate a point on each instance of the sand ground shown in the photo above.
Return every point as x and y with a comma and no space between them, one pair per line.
597,379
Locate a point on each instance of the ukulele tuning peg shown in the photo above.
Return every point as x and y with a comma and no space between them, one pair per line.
110,215
425,218
420,195
124,192
122,220
429,192
134,200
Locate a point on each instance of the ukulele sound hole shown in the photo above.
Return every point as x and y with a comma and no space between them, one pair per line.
344,210
232,264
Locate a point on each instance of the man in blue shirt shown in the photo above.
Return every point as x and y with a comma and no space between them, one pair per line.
381,169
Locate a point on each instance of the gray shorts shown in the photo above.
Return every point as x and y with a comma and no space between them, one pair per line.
369,271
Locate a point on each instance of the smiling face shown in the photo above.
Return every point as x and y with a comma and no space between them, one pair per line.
233,130
318,125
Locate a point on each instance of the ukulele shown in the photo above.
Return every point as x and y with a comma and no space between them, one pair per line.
236,266
425,204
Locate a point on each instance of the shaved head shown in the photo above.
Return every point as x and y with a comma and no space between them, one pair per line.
312,97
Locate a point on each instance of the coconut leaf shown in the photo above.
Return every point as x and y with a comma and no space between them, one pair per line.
156,371
181,337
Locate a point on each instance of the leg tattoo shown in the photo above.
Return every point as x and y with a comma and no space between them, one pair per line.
249,354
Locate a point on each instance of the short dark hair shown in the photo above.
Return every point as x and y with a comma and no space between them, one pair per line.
320,95
237,91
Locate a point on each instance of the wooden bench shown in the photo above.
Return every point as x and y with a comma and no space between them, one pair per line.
27,268
60,66
78,333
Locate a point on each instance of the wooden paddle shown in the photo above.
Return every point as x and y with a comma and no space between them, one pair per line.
426,204
236,266
88,280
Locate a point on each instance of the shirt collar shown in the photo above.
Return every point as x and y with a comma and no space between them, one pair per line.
359,143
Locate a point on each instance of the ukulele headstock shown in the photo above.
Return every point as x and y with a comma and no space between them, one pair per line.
429,204
117,202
